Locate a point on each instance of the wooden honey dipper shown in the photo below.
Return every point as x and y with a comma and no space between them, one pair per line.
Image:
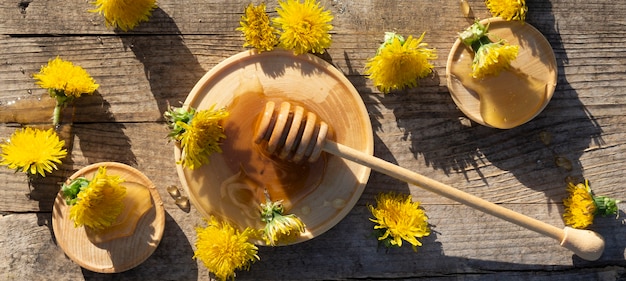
293,135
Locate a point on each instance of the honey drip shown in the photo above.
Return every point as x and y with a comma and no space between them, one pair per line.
466,10
27,110
36,111
507,100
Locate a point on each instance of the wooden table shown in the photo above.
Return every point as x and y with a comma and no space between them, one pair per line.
140,72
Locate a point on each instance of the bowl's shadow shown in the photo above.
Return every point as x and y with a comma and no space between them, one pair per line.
172,260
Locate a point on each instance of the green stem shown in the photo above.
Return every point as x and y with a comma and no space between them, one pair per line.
484,40
61,100
56,114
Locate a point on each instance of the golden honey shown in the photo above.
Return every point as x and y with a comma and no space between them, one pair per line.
508,99
255,172
137,203
27,110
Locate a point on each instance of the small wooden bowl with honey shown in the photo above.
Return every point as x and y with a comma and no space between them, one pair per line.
516,95
235,182
129,240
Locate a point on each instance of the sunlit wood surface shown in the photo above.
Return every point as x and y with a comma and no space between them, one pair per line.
421,129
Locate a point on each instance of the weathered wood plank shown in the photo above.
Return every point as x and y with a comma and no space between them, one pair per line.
456,248
161,69
33,254
141,71
218,17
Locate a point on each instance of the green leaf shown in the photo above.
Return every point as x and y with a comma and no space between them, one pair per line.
174,116
606,206
70,191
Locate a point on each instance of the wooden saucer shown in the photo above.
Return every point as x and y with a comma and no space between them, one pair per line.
535,59
120,254
281,76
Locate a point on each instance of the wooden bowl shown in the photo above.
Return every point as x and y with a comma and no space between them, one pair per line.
534,70
232,185
120,254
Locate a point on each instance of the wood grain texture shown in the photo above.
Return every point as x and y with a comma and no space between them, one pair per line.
421,129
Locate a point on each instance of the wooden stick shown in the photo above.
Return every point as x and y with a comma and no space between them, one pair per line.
584,243
275,128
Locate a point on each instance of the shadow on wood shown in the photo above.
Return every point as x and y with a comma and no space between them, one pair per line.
169,65
172,260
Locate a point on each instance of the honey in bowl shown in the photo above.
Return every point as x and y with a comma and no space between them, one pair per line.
257,172
507,100
249,175
231,188
517,94
137,203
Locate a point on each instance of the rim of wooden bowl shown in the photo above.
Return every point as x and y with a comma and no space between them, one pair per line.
122,253
534,49
216,88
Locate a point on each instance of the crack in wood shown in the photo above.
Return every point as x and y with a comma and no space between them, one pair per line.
23,5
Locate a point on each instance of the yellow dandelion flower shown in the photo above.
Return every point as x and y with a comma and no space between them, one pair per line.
399,63
508,9
99,201
580,208
65,77
582,205
224,249
278,227
490,58
257,29
124,14
32,151
199,133
65,82
397,218
304,26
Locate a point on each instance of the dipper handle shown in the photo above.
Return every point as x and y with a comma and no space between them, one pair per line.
586,244
293,136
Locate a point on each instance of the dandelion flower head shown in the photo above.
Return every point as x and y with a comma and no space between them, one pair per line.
278,227
224,249
398,218
63,77
199,133
398,63
100,202
490,58
304,27
32,151
508,9
580,208
124,14
257,28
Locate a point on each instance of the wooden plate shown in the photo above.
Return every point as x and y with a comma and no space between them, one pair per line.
247,80
120,254
535,60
